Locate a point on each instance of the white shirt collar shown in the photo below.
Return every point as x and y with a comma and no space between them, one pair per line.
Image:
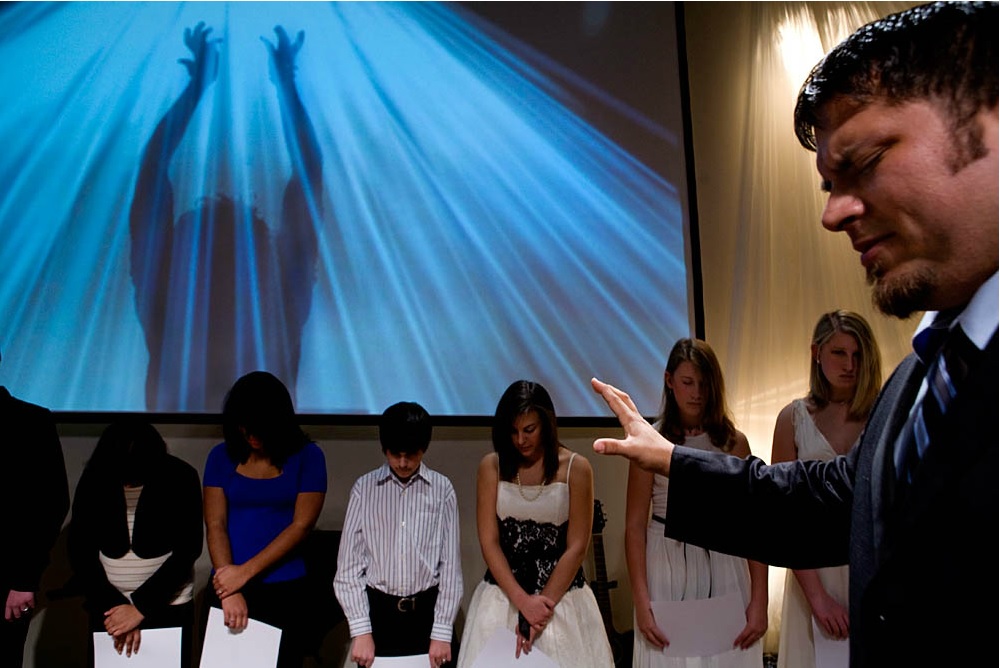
980,316
386,475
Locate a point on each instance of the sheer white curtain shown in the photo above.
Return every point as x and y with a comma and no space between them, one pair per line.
769,268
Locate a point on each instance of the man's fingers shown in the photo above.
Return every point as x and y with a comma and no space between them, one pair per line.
609,446
620,402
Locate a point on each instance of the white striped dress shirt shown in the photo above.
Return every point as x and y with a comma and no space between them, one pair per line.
400,539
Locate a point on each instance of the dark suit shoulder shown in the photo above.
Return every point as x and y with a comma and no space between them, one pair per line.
12,406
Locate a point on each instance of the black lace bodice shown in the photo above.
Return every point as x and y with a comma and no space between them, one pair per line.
532,550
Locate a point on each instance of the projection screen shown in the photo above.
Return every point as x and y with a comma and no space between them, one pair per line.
374,201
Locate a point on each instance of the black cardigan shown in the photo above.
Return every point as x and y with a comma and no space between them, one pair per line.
168,518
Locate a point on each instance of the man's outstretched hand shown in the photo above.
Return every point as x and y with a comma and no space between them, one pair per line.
642,444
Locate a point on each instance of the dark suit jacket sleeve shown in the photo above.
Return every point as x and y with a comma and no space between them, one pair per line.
40,495
794,514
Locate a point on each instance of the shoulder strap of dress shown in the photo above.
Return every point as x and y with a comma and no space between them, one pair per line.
800,411
572,456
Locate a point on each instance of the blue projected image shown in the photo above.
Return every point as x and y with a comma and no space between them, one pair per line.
374,201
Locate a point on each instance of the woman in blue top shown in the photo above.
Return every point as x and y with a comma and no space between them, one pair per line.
264,488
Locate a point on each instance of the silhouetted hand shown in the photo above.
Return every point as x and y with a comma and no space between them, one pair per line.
282,70
203,67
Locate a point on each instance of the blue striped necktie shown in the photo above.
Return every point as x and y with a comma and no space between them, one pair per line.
946,354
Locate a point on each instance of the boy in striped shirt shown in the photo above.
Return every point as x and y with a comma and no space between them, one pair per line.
399,577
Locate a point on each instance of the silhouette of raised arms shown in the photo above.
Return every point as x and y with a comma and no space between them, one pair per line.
193,352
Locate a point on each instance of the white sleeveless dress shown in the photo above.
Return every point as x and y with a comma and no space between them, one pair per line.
795,645
533,537
676,571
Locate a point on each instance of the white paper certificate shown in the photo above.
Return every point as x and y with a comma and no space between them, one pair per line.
499,653
414,661
158,648
702,627
256,646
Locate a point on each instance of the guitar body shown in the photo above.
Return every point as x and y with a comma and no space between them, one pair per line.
621,643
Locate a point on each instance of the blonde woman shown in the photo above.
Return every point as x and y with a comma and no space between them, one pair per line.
844,380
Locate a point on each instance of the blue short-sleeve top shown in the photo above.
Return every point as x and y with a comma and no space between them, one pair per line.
258,510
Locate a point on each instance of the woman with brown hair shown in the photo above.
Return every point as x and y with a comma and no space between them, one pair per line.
694,414
534,513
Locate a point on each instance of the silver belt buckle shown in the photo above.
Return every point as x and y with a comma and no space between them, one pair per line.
407,604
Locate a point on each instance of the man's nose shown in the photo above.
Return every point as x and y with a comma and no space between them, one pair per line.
840,210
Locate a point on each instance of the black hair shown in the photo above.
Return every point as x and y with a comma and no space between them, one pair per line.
405,428
259,405
128,452
943,51
521,398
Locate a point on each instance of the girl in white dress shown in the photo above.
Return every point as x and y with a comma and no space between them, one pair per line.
534,512
694,414
844,380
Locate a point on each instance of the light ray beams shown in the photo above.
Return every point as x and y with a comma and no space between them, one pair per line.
471,229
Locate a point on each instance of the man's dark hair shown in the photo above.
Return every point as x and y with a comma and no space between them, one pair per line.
943,51
404,428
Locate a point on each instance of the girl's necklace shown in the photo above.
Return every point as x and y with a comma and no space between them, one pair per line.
520,490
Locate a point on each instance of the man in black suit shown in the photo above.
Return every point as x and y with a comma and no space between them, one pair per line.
35,502
903,118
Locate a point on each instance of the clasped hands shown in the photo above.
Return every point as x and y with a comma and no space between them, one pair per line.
228,581
537,611
122,623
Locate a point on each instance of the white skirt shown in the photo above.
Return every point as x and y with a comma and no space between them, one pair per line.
674,572
574,638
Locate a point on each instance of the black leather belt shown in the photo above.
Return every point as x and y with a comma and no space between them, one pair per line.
412,603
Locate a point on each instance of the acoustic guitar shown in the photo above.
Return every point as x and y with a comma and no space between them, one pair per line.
621,643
